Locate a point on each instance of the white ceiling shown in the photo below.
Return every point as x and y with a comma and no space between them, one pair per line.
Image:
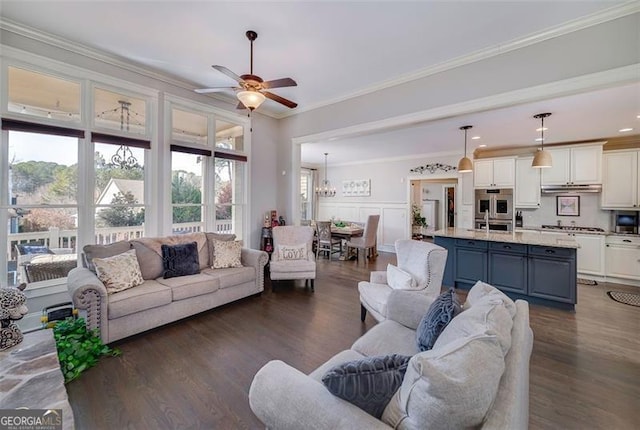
338,49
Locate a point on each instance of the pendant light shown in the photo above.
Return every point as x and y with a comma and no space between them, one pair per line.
465,165
542,159
326,190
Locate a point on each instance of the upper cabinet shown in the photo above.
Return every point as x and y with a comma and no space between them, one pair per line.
527,191
498,172
621,184
580,165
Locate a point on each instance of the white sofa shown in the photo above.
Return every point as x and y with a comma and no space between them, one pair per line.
285,398
159,301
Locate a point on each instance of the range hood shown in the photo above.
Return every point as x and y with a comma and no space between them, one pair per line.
550,189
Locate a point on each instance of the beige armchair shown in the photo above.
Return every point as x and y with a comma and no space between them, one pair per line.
367,242
292,256
419,271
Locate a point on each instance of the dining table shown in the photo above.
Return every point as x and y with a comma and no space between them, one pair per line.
346,232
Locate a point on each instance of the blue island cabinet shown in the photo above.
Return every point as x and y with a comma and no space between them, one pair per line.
539,274
552,273
470,262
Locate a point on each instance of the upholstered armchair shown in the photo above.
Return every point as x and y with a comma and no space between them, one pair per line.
292,256
419,271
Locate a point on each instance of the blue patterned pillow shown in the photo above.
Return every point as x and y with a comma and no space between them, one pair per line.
439,314
180,260
368,383
34,249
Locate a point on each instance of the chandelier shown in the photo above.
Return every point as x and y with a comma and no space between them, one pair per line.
326,190
123,157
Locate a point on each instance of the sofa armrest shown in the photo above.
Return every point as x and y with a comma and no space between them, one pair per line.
285,398
378,277
256,259
408,307
89,294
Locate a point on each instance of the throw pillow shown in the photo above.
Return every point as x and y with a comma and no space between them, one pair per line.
292,252
180,260
398,279
227,254
211,238
368,383
439,314
448,388
119,272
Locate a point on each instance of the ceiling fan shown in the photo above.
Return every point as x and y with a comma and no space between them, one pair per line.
251,90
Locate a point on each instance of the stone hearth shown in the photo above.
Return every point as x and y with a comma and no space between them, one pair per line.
30,376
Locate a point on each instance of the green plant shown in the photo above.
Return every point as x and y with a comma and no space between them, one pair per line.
418,219
78,348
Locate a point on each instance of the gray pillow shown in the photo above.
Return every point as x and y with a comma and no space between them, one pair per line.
439,314
369,383
180,260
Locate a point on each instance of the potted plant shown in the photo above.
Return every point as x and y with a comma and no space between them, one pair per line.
419,222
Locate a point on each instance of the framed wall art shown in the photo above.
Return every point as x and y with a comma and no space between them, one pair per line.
568,205
356,188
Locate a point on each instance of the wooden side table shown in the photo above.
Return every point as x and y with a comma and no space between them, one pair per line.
30,376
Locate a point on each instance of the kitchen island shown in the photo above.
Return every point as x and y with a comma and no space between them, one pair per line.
537,268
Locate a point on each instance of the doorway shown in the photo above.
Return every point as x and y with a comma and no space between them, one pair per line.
449,208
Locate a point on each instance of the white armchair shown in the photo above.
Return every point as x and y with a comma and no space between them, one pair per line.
420,270
292,256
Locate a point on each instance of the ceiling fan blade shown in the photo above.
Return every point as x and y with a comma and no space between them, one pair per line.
212,90
240,106
279,83
282,100
228,72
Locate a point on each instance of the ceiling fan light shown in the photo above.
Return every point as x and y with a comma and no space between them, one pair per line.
465,165
251,99
542,160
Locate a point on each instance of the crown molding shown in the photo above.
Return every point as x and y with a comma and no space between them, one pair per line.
483,54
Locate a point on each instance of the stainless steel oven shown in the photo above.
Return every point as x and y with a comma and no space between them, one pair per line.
498,203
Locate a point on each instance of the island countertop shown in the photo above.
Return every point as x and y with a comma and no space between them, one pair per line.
509,237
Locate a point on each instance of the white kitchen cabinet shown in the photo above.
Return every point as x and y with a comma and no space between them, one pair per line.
499,172
621,181
465,180
622,256
579,165
590,256
527,186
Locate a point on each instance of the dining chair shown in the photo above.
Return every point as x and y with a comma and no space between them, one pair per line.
367,242
326,242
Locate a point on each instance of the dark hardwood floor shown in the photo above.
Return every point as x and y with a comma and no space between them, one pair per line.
195,373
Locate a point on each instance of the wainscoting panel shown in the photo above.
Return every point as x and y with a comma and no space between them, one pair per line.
393,218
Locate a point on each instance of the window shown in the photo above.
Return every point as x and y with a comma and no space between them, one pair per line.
44,96
229,136
187,186
42,218
230,201
119,189
188,127
119,112
306,194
